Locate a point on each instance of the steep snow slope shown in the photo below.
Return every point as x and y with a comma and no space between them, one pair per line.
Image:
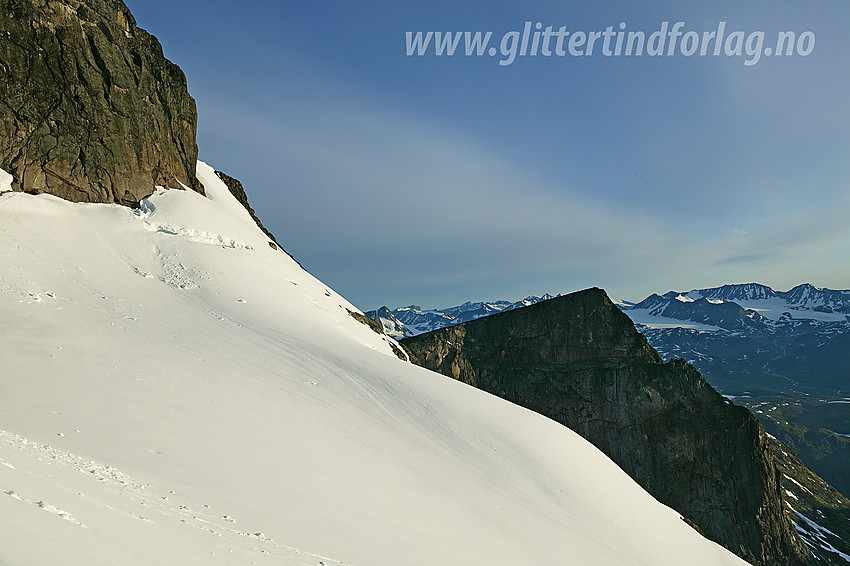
174,391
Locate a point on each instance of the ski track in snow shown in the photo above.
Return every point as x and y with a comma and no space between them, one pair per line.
158,505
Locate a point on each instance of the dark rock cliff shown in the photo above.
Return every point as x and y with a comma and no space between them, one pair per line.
90,109
580,361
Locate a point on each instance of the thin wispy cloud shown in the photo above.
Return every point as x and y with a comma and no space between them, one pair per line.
400,179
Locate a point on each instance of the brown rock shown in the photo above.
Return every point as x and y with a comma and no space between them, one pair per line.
90,109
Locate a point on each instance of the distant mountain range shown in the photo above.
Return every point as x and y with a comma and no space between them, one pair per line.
412,320
750,307
740,336
747,336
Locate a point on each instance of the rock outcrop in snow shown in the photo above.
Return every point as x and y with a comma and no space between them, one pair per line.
92,110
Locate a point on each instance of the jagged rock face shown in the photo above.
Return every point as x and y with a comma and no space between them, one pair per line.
91,110
580,361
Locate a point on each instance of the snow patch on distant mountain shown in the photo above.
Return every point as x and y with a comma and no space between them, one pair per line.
684,310
654,321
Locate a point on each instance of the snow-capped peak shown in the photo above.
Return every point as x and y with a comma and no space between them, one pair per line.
738,292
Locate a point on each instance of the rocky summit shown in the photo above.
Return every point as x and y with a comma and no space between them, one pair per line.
579,360
91,110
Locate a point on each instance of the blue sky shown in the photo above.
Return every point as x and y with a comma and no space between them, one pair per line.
433,180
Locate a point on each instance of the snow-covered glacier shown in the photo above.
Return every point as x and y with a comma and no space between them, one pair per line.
174,390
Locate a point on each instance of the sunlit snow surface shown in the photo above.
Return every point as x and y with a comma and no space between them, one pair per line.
175,391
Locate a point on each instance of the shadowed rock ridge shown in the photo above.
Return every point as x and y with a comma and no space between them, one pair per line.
580,361
90,109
